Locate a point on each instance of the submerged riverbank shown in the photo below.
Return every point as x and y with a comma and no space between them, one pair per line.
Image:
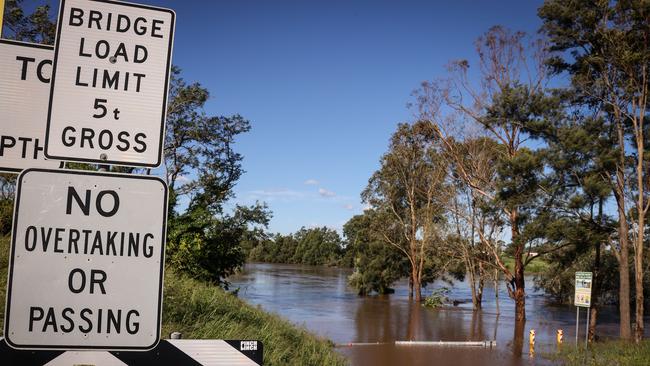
201,311
320,299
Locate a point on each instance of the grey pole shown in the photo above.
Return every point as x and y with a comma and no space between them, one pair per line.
587,327
577,322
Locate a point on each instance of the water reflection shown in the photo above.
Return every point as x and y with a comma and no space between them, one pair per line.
320,299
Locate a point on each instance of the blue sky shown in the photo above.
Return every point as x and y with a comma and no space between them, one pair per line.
324,84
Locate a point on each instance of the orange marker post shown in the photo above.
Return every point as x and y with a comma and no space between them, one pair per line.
2,13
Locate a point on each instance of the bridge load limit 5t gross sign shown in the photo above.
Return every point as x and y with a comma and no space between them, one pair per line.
110,77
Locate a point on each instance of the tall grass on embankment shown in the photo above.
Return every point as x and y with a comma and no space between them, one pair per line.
608,353
202,311
537,265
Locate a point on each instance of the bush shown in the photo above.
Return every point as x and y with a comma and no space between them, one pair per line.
437,298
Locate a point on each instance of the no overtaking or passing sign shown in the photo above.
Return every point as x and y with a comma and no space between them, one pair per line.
109,83
86,265
25,71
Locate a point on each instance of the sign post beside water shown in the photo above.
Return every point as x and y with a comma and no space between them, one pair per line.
108,97
86,264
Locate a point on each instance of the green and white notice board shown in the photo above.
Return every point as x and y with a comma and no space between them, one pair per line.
583,289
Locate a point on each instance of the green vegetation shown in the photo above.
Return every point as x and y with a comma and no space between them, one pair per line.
203,311
437,298
376,265
316,246
611,353
536,266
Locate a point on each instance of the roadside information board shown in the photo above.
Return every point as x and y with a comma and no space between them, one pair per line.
86,263
110,77
25,71
583,289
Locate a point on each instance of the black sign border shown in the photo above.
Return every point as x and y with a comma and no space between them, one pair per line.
165,92
30,45
12,251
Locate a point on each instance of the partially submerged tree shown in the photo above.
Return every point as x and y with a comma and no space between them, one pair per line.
511,94
376,265
408,189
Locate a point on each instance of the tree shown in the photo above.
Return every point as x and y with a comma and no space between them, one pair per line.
199,157
376,265
36,27
317,246
578,154
407,191
476,224
510,96
208,248
606,51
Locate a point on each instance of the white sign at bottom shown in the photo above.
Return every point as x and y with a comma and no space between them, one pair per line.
87,258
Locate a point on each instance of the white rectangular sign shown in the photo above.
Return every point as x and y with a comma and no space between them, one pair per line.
582,296
110,78
25,71
86,264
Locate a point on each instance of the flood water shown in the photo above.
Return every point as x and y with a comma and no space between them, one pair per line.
320,299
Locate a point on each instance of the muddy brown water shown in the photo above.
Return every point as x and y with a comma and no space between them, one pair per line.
320,299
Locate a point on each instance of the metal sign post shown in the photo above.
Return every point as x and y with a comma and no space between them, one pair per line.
582,298
86,263
577,323
110,77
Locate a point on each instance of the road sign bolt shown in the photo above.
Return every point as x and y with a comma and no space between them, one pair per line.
103,156
112,59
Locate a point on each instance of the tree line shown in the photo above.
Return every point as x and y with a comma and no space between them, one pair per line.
539,149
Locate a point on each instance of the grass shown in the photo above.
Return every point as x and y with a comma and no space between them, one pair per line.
608,353
201,311
537,265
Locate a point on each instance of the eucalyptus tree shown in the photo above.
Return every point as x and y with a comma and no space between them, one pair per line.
510,94
407,189
376,265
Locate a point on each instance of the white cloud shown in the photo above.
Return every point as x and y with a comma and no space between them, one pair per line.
325,193
348,206
367,207
311,182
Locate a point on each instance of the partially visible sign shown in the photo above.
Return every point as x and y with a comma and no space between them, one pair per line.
583,289
181,352
108,98
86,263
25,71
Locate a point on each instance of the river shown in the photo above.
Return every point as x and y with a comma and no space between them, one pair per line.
320,299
